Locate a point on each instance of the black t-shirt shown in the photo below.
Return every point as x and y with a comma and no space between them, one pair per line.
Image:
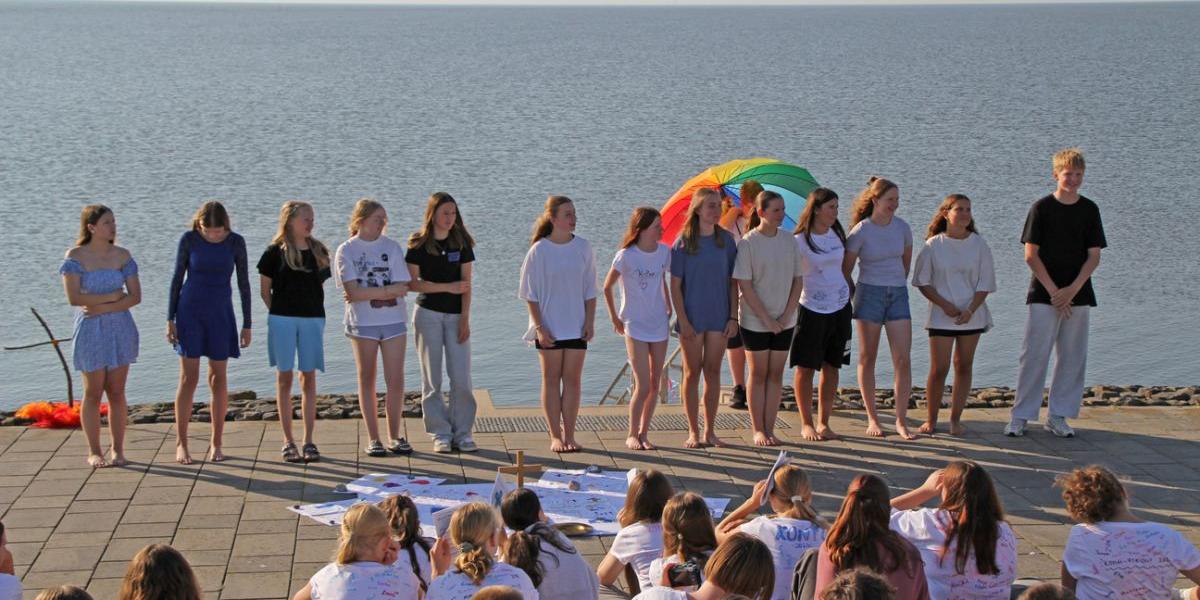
445,267
294,293
1063,234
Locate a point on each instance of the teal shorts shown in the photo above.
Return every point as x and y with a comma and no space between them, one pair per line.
288,337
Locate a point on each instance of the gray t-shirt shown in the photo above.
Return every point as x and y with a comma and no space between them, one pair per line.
880,251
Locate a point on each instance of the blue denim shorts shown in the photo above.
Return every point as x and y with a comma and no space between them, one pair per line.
288,337
378,333
881,303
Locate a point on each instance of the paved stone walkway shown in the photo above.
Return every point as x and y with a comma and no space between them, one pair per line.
68,524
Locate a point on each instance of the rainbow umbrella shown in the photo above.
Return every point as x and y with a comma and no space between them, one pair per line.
792,182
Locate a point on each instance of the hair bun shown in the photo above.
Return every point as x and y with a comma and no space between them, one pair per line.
872,179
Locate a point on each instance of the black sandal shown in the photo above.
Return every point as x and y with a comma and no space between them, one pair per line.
375,449
290,454
400,446
311,454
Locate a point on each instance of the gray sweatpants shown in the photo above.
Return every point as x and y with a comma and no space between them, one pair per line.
437,336
1046,330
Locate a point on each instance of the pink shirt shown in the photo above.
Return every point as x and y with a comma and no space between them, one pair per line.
908,579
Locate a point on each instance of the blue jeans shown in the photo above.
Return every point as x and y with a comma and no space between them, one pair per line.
881,303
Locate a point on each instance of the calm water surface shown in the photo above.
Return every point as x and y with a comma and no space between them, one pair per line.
152,109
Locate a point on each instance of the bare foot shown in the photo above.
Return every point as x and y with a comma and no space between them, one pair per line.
633,443
903,432
693,441
215,455
761,439
957,428
645,441
809,433
557,445
97,461
827,434
572,445
182,456
711,439
874,430
117,459
928,427
774,440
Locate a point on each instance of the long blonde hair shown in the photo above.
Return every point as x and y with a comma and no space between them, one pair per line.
542,227
364,208
159,572
864,205
90,215
362,528
793,485
471,529
459,237
291,254
691,223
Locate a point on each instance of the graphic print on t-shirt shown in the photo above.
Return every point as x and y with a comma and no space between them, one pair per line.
374,275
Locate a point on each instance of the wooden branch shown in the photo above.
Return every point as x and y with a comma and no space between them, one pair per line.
61,359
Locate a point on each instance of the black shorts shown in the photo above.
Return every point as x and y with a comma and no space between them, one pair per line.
954,332
757,341
821,339
735,342
573,344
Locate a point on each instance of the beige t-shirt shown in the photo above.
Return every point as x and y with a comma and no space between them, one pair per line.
770,264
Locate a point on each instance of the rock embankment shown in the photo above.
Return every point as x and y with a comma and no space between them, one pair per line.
247,406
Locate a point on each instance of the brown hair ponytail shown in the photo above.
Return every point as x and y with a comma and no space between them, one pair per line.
471,529
542,227
864,205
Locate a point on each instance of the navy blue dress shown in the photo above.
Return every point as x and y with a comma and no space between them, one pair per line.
201,302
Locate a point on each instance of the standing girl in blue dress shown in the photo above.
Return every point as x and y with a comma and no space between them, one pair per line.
200,319
101,278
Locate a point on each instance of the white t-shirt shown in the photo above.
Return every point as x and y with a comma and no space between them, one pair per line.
363,580
566,575
770,264
1137,561
661,593
926,529
404,563
455,585
787,539
956,269
560,278
639,544
372,264
825,288
10,587
643,299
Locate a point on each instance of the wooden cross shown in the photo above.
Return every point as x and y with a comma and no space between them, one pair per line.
520,469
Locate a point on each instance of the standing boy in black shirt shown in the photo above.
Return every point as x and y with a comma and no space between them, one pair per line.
1063,237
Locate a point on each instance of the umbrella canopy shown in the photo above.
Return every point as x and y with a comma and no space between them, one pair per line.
792,182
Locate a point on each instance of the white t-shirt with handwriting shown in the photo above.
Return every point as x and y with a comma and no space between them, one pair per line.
643,298
455,585
363,580
1133,561
926,528
787,539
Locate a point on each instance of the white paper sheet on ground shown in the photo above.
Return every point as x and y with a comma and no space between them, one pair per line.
779,462
607,482
326,513
441,497
391,484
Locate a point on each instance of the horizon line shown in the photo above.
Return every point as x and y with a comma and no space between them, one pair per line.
624,3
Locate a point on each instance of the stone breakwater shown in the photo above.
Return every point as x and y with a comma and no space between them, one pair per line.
247,406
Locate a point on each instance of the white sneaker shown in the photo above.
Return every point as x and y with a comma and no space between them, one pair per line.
1015,427
467,445
1059,427
442,446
